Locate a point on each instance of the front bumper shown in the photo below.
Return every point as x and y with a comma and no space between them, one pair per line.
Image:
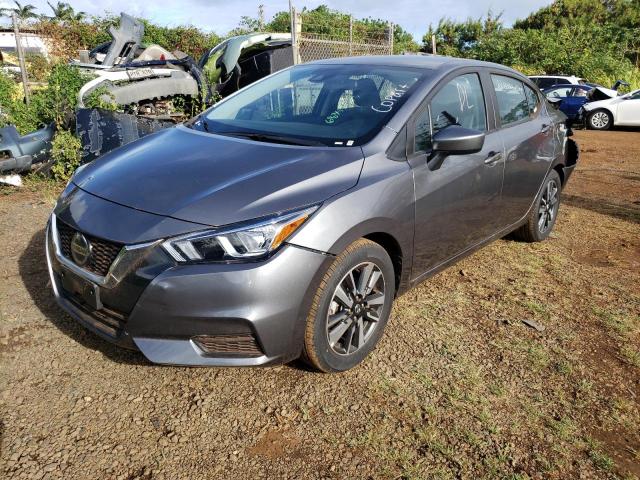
258,308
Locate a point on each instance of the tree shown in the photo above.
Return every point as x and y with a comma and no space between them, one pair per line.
63,12
23,12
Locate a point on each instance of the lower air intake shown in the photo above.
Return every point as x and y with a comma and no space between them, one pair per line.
230,345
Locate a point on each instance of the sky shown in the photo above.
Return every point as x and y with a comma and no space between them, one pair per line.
221,16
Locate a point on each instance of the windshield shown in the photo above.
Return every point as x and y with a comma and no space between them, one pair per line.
333,105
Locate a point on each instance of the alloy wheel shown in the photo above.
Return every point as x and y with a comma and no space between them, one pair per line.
548,206
600,119
355,309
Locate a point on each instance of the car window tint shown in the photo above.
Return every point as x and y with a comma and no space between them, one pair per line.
546,83
512,100
533,100
459,102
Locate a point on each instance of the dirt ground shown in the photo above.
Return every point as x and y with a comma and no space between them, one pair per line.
459,386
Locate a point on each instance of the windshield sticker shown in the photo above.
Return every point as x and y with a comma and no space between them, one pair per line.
390,100
349,143
332,117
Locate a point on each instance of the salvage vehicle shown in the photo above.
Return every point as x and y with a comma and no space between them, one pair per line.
617,111
19,152
152,88
150,81
570,98
284,221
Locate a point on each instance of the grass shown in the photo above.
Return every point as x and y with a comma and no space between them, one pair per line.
624,328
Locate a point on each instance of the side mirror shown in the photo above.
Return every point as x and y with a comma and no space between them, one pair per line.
457,140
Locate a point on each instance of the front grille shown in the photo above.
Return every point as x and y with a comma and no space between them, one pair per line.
111,321
241,344
103,252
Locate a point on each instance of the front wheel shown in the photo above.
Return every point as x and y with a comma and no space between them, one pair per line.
599,120
350,308
543,215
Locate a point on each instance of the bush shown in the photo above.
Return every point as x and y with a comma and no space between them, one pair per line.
56,102
65,153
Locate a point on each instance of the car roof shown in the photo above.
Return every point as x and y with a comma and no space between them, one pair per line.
555,76
432,62
569,85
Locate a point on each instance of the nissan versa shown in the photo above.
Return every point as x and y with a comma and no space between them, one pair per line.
282,222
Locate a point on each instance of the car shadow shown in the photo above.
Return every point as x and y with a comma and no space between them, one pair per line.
629,213
32,266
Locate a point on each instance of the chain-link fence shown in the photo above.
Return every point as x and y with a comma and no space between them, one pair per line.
315,39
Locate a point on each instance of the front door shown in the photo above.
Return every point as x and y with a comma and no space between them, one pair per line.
458,201
629,110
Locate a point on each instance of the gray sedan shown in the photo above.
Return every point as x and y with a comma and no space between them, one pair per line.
285,220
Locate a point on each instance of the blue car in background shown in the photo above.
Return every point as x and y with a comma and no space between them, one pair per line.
569,97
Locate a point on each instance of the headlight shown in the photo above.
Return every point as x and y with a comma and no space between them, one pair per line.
250,241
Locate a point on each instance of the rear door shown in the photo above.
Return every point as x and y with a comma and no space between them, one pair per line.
527,130
457,202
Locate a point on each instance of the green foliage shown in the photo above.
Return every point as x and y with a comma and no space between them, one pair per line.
65,152
595,39
54,103
96,99
190,40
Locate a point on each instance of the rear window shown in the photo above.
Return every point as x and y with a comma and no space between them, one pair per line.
512,100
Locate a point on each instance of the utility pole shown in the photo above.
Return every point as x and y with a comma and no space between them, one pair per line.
433,45
350,35
261,17
23,67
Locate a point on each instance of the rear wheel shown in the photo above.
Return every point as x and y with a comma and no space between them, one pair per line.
543,215
600,120
350,308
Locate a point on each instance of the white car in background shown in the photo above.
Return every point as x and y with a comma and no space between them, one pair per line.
618,111
547,81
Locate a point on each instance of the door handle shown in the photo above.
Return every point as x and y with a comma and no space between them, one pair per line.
493,158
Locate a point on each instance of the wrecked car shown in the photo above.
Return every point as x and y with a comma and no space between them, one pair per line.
152,83
19,152
621,110
146,80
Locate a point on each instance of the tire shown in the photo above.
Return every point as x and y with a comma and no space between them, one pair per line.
330,315
600,120
536,229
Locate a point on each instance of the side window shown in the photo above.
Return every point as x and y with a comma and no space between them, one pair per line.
545,83
512,100
459,102
533,100
559,92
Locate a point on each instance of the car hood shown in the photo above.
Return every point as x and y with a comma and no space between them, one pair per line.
215,180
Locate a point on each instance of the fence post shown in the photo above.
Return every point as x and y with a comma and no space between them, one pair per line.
296,31
23,67
391,29
350,35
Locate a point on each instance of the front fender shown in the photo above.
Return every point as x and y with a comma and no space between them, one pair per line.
381,202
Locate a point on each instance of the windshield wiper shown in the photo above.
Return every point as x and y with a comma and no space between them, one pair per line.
273,138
